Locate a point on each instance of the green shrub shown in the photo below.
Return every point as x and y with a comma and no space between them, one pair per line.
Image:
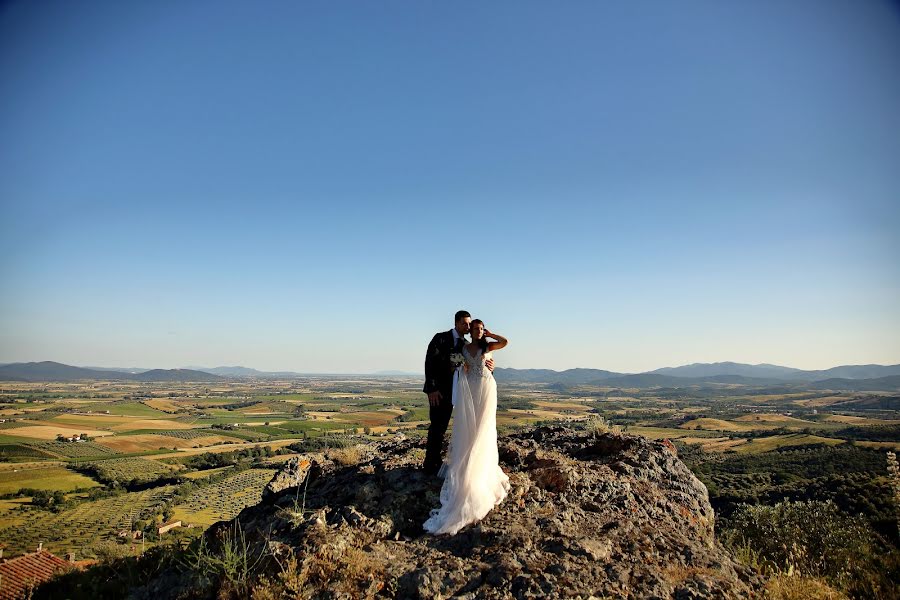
814,539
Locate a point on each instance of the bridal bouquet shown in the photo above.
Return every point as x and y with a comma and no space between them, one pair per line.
457,359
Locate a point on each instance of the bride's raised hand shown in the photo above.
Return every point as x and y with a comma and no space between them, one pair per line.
500,343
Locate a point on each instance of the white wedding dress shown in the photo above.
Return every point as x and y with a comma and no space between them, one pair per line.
473,481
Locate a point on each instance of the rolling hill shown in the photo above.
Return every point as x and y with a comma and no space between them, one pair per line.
778,373
844,377
891,383
176,375
569,377
54,371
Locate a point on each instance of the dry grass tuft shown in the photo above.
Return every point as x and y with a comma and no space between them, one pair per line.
796,587
345,571
345,457
597,425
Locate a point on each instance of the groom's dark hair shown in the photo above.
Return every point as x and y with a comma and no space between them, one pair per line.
461,314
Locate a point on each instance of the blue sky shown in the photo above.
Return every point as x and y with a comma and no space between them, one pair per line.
318,186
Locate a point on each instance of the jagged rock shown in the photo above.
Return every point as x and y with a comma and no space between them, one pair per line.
290,476
587,516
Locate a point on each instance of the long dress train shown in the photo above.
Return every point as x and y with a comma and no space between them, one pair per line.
473,481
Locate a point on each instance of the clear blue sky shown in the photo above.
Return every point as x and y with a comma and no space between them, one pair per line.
318,186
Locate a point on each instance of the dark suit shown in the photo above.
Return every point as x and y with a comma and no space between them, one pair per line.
439,378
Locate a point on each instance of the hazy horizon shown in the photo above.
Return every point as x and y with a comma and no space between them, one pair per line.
420,371
319,187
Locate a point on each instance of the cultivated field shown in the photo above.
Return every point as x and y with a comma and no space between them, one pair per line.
766,444
707,424
200,452
49,477
130,444
224,500
50,432
163,404
78,530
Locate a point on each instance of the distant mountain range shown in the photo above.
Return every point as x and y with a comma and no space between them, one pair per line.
845,377
176,375
782,373
230,371
54,371
890,383
120,369
610,379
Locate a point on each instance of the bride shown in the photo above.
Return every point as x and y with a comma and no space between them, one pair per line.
473,481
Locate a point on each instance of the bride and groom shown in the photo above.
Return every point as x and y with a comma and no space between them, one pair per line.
459,374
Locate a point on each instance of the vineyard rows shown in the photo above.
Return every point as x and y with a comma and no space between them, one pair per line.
189,434
78,529
127,469
225,499
75,449
22,451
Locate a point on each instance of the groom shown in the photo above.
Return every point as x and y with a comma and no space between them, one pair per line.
439,385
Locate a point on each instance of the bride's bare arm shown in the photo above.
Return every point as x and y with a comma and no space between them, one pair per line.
500,343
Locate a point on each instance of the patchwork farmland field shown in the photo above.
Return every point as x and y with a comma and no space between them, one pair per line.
766,444
129,409
162,424
774,419
224,500
23,453
855,420
165,405
207,473
129,469
131,444
104,422
79,529
192,434
708,424
81,450
252,423
51,432
40,477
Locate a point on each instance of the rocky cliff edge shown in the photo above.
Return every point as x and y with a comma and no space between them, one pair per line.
589,515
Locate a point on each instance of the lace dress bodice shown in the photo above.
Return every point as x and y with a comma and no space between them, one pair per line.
476,363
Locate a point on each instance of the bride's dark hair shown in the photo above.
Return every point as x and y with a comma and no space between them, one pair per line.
482,343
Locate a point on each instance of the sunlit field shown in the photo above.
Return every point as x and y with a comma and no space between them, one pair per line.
199,454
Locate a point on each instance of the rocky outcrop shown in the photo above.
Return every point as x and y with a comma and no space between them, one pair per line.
290,476
588,515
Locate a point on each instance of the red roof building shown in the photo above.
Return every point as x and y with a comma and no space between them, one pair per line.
27,571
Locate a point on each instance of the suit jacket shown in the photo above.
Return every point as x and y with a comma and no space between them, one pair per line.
438,368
